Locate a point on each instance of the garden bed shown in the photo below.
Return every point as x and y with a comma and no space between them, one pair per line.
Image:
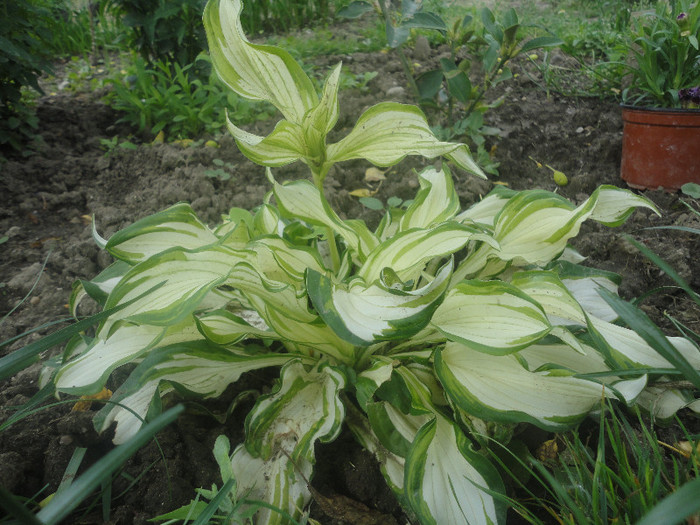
49,200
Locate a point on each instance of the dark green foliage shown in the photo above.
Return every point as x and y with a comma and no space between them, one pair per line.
281,15
168,30
24,30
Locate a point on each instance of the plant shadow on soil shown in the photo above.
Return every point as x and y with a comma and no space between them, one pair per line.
49,197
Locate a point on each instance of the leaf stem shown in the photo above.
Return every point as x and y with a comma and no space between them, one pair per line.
319,174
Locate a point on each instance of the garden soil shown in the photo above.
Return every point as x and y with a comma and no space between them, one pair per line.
49,199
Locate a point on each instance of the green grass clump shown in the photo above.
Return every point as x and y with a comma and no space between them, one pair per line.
616,473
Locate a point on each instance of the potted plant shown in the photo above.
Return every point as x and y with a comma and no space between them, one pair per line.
661,133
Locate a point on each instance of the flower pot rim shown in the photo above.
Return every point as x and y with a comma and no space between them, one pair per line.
659,110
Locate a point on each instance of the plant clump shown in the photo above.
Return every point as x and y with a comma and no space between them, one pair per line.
427,337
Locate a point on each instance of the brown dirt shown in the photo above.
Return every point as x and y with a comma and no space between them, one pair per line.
47,197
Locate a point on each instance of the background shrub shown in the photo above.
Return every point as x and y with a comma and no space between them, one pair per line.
24,30
168,30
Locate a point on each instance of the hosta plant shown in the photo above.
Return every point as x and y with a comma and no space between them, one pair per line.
439,325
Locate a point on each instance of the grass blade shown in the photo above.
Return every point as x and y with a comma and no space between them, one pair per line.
675,507
22,358
31,291
652,334
213,505
65,502
14,508
663,265
678,228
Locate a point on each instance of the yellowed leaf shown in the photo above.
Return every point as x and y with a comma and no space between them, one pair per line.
86,401
184,143
362,192
374,175
548,450
46,500
685,448
160,138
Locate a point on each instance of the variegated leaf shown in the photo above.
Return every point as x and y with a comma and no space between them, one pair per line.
87,373
546,288
267,221
584,361
315,335
225,328
263,294
189,275
446,481
395,429
407,252
281,147
435,202
174,226
534,226
370,379
99,287
491,316
320,120
499,388
193,366
256,72
281,432
663,402
302,200
278,260
388,131
612,206
486,210
628,350
364,314
584,284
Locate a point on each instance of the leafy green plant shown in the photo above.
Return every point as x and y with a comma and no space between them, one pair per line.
691,189
111,145
491,45
448,89
222,171
373,203
70,29
358,81
399,19
666,53
79,30
170,98
416,335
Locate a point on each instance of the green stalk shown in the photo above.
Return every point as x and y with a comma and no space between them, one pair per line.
319,175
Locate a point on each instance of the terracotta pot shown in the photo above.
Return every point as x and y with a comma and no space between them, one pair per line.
660,147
